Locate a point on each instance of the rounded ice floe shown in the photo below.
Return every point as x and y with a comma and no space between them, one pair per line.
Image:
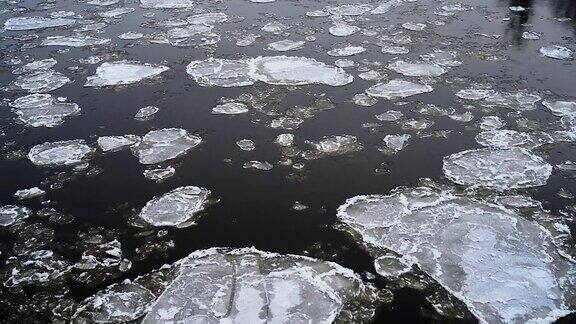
123,302
284,140
11,214
561,108
40,81
499,169
505,138
175,207
160,174
342,29
115,143
557,52
74,41
211,18
164,144
417,69
334,145
29,193
123,72
230,108
286,45
251,286
43,110
348,50
246,145
59,153
31,23
258,165
505,268
146,112
397,89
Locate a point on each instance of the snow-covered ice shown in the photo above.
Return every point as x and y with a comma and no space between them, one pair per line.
164,144
59,153
123,72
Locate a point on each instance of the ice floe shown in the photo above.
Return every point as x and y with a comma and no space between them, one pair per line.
230,108
37,110
115,143
160,174
500,169
509,138
503,266
397,89
59,153
164,144
29,193
11,214
396,143
40,81
74,41
123,72
181,205
557,52
32,23
417,69
286,45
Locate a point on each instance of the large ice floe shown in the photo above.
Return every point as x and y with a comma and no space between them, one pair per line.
31,23
397,89
241,286
59,153
164,144
123,72
43,110
500,169
181,205
505,268
277,70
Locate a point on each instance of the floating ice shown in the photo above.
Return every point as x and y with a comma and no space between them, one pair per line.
504,267
159,175
74,41
211,18
342,29
350,9
130,35
176,207
40,81
146,112
397,89
250,286
561,108
29,193
414,26
247,40
59,153
474,94
442,58
265,166
390,115
31,23
115,143
166,4
335,145
530,35
230,108
556,52
123,302
371,75
364,100
123,72
500,169
40,65
386,6
508,138
164,144
396,50
221,72
103,3
246,145
115,13
37,267
11,214
275,27
417,69
286,45
284,140
43,110
396,143
346,51
491,123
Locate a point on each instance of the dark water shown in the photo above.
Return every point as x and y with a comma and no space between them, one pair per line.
255,207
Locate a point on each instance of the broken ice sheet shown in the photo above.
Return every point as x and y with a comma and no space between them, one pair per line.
37,110
32,23
397,88
164,144
250,286
123,72
504,267
500,169
178,206
11,214
115,143
59,153
561,108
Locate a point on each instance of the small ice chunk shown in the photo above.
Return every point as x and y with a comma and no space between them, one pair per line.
417,69
164,144
59,153
396,143
37,110
275,27
530,35
390,115
336,145
414,26
397,89
246,145
343,29
348,50
115,143
371,75
500,169
29,193
557,52
286,45
11,214
247,40
230,108
37,267
265,166
123,72
32,23
284,140
146,112
474,94
74,41
395,50
180,205
350,9
491,123
364,100
392,266
130,35
159,174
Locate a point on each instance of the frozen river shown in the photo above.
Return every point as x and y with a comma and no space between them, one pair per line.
287,161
